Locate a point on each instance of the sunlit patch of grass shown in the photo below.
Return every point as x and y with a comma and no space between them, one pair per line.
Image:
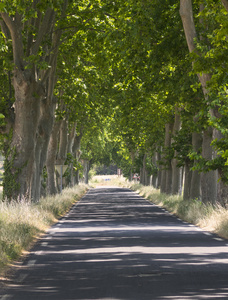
109,180
21,223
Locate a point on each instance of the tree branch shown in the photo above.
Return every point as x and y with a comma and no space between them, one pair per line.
225,4
15,32
44,28
186,14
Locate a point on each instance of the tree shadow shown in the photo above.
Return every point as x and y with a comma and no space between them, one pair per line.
115,245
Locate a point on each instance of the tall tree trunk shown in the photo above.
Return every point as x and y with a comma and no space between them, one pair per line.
86,167
63,141
163,174
77,154
209,179
176,174
155,175
187,180
166,176
146,177
71,138
29,85
22,156
43,138
158,183
195,191
51,158
168,135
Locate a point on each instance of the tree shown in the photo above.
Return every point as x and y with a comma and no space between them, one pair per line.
198,44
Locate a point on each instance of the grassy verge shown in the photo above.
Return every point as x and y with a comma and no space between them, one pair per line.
208,217
22,223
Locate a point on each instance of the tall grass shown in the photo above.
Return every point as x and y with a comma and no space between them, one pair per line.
21,223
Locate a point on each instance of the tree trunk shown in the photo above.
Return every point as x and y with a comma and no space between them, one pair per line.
43,138
71,138
51,158
155,175
163,173
187,180
195,191
144,171
168,171
209,179
27,114
30,86
63,139
158,183
86,164
176,174
77,154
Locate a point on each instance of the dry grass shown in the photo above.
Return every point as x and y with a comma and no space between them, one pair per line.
208,217
109,180
21,223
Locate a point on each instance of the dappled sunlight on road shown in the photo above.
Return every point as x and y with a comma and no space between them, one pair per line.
116,245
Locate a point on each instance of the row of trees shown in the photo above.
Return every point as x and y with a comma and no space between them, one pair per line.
174,114
139,83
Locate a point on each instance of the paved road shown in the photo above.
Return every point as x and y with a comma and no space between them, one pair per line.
115,245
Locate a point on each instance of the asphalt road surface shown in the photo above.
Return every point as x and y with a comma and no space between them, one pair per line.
116,245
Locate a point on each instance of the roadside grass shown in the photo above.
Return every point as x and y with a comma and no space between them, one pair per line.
208,217
109,180
22,223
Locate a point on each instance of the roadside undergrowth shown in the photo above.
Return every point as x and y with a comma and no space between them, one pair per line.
21,223
208,217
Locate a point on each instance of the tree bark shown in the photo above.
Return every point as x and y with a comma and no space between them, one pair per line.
63,141
51,158
225,4
71,138
187,180
166,176
30,137
42,142
86,166
77,154
158,183
155,175
27,114
176,174
195,191
186,14
209,179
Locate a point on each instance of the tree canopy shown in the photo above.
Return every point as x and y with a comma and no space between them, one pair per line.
142,84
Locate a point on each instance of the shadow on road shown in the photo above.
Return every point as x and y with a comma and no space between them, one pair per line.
116,245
